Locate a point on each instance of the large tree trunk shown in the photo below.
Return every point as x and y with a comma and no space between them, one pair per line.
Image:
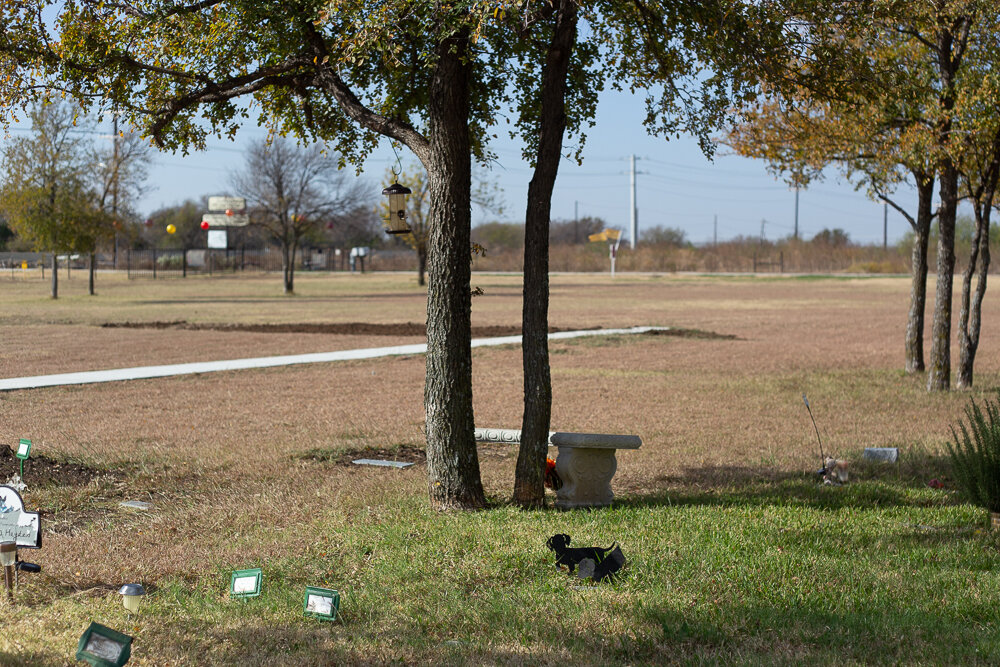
918,272
939,377
452,458
90,270
529,489
55,277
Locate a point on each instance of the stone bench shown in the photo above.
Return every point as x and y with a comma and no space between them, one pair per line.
586,462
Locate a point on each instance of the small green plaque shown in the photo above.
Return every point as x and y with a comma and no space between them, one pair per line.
101,646
24,449
245,583
321,603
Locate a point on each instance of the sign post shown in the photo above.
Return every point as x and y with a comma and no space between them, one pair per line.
613,237
23,451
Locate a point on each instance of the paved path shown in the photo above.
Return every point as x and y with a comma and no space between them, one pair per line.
144,372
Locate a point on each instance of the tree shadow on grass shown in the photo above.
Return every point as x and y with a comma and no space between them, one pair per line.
755,633
904,484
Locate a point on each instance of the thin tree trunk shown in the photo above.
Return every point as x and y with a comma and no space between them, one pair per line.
970,317
421,264
55,276
452,458
286,269
91,270
918,272
939,377
970,314
529,489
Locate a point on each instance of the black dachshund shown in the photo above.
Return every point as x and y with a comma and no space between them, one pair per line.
571,557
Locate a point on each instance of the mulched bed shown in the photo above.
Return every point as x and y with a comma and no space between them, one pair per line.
40,470
342,457
341,329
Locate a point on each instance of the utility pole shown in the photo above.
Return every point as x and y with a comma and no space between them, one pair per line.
635,214
715,230
576,222
762,223
796,211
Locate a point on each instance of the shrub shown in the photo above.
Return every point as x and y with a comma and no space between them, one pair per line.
975,456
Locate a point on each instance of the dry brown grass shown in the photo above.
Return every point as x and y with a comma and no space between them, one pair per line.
221,454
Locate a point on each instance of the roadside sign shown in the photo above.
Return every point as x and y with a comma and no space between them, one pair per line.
223,220
234,204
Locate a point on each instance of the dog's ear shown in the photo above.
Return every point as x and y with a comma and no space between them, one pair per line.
565,539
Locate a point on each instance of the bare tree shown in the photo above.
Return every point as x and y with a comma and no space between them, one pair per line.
291,190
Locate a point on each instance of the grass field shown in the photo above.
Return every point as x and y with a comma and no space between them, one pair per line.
736,555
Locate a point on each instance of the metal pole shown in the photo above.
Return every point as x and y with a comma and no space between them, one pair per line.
796,212
576,222
715,230
634,215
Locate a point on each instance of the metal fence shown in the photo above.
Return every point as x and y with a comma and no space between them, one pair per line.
179,263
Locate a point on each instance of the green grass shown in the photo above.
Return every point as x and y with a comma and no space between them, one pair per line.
883,571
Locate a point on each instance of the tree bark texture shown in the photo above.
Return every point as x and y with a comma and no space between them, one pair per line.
918,272
55,276
452,458
529,481
92,268
939,375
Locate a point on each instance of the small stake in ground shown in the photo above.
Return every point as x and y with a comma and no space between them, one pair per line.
23,452
822,457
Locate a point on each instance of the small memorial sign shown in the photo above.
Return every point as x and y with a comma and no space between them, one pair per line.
245,583
321,603
23,528
101,646
24,449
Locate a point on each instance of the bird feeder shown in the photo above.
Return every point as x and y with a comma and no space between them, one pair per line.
397,209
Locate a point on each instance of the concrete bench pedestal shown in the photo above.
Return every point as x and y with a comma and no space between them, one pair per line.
586,462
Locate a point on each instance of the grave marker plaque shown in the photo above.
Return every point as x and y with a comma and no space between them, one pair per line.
23,528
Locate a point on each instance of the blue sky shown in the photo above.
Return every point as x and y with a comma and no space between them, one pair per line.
676,185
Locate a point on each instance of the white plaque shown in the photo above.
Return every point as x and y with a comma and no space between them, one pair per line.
245,584
320,604
223,220
22,449
15,524
103,647
234,204
217,239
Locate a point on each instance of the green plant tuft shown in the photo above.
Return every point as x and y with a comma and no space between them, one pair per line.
975,456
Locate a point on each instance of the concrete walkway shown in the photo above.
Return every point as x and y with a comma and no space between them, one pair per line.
145,372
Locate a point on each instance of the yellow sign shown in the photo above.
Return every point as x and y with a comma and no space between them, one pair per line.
24,265
606,235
